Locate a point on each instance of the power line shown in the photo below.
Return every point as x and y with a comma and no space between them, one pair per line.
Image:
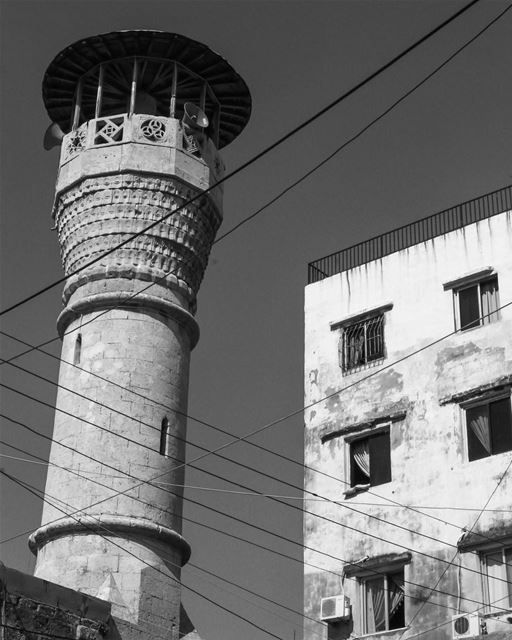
285,538
200,524
322,517
190,564
256,157
294,413
201,422
375,571
222,457
291,186
166,575
469,531
262,495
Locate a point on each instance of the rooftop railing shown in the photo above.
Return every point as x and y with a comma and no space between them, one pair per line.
410,234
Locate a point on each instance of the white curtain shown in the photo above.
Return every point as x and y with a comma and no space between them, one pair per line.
361,453
498,589
375,609
489,298
479,424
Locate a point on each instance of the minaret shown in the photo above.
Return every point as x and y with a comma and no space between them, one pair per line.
142,115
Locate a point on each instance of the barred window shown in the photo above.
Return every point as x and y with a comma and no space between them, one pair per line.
362,342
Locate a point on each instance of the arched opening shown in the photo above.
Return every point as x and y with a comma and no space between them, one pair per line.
164,431
78,349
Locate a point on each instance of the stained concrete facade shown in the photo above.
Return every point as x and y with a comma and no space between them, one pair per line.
417,392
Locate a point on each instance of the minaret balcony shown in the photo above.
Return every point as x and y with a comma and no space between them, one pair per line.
140,143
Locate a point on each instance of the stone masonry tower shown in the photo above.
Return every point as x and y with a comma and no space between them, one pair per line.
141,115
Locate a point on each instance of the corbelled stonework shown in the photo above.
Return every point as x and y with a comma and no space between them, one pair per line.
99,213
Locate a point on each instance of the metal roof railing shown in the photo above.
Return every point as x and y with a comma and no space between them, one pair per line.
408,235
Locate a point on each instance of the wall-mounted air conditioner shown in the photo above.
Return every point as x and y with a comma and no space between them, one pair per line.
466,625
335,608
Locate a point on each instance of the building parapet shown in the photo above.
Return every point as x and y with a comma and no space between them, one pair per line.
413,233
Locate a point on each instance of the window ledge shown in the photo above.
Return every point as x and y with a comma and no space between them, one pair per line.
360,316
358,488
360,428
383,634
469,278
499,385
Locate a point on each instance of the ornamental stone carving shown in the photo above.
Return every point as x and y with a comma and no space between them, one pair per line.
96,215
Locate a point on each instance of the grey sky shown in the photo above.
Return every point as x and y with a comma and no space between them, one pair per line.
447,143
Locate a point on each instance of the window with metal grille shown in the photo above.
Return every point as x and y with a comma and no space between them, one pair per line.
476,304
362,342
489,428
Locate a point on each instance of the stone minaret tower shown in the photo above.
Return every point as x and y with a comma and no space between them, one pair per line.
142,115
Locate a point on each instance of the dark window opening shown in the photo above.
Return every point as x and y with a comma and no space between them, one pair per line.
78,349
362,342
164,431
383,602
370,460
478,304
489,428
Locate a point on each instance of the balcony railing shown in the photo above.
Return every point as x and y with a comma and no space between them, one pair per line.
143,129
410,234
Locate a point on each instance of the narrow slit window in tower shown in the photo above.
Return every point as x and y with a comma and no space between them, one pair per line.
163,436
78,349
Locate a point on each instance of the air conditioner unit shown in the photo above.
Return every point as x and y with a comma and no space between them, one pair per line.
335,608
466,625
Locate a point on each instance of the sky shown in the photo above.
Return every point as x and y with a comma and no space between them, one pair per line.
447,143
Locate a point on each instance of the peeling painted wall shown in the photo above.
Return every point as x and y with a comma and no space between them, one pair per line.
429,460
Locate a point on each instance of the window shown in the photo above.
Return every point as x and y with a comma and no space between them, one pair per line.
489,428
497,579
164,431
382,599
78,349
476,304
362,342
370,460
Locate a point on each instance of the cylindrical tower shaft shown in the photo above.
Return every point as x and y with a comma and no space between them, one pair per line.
128,326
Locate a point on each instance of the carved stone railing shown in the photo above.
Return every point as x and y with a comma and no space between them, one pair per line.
141,129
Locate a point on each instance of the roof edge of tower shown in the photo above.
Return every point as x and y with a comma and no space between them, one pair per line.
63,73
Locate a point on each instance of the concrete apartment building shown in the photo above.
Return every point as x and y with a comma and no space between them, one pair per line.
414,455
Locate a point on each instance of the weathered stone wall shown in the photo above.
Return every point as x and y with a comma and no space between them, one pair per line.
30,607
429,459
129,319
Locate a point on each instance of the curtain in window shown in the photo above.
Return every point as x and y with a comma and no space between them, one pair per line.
479,425
497,587
395,593
489,299
361,453
375,607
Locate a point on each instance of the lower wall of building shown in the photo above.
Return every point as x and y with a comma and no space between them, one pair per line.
34,608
